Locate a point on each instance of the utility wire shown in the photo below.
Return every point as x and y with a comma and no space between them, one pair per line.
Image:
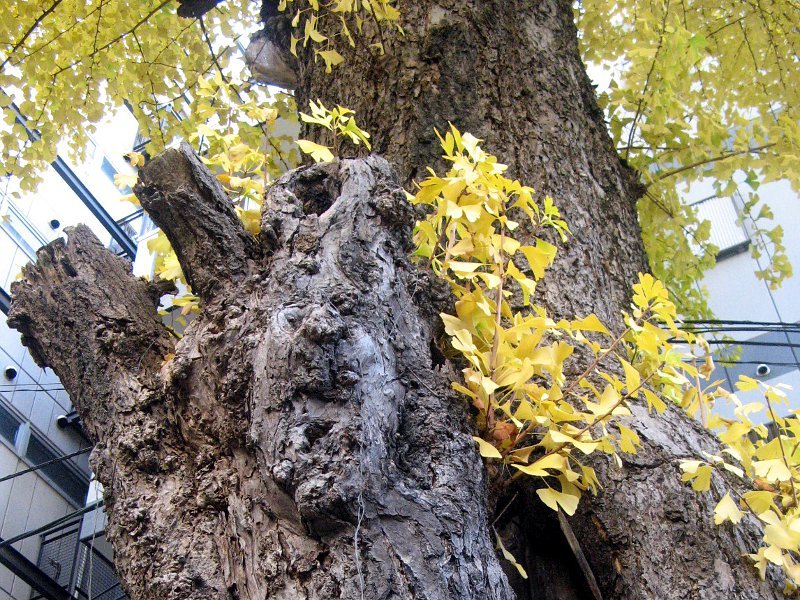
739,322
722,362
752,343
46,463
9,594
743,343
756,328
27,388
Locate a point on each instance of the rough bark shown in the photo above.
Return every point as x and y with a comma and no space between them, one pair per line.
510,72
302,442
298,444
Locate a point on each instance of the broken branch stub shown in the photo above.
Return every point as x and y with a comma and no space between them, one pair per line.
81,312
301,442
192,209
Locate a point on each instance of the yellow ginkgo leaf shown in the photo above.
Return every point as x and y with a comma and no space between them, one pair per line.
726,510
485,449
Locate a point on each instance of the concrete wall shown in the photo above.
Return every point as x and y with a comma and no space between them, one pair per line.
35,396
32,500
735,293
734,290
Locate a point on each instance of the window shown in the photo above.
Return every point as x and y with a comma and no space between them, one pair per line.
147,225
20,230
61,474
109,171
33,447
129,230
726,233
9,425
5,301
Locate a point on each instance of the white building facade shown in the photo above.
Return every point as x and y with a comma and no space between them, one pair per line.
48,508
764,322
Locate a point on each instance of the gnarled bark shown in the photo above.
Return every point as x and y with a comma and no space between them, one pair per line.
510,72
303,442
297,442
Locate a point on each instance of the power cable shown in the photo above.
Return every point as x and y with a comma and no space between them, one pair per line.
46,463
739,322
724,363
744,343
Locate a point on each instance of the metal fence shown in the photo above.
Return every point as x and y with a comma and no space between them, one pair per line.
77,566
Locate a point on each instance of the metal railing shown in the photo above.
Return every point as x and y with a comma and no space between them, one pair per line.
77,566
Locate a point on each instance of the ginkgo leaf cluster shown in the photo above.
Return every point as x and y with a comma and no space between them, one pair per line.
341,123
767,459
531,416
341,19
700,90
66,64
240,142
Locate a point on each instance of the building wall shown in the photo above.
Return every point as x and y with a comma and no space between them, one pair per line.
735,293
35,398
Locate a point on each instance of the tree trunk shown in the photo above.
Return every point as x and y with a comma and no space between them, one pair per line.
301,440
299,443
510,72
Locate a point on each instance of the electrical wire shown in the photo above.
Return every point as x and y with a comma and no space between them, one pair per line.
744,343
7,593
724,363
740,322
743,328
46,463
26,387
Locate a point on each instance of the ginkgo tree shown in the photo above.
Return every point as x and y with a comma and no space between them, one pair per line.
302,439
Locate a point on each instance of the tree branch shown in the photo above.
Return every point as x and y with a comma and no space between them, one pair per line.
82,297
30,30
712,159
188,203
117,39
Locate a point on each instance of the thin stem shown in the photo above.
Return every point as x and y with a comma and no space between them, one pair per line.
451,240
498,317
116,40
594,422
29,31
712,159
211,50
698,388
783,450
525,432
505,508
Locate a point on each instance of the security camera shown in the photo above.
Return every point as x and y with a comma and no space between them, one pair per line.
10,373
762,370
71,419
55,224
